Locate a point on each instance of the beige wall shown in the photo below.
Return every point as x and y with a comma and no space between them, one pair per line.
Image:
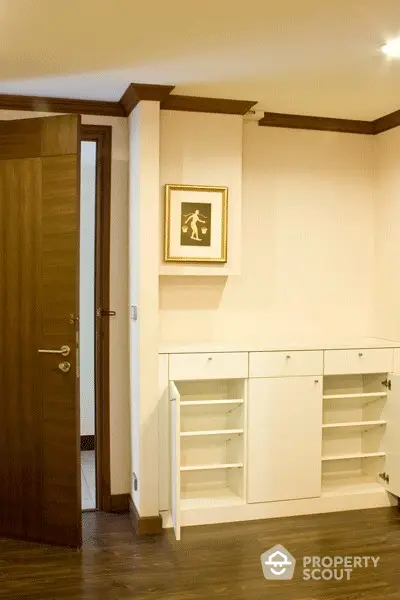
204,149
144,217
307,237
387,235
319,233
119,325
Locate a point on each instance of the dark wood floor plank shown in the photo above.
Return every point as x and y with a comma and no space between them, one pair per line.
220,561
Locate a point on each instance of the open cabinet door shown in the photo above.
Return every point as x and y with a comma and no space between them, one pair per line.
392,436
175,402
39,401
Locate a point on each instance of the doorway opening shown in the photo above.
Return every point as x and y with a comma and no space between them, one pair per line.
87,321
94,317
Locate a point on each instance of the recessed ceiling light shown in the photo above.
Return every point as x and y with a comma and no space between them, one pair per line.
392,48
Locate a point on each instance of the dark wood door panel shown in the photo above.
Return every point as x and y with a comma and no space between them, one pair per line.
39,405
20,412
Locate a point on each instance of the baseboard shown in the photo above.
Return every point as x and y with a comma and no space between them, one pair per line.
284,508
144,525
120,503
88,442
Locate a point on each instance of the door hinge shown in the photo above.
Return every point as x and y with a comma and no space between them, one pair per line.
104,312
387,383
73,319
384,476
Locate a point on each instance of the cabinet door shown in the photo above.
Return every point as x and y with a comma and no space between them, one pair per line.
164,436
284,438
175,402
392,436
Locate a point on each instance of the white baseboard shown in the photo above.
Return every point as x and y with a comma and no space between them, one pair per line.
290,508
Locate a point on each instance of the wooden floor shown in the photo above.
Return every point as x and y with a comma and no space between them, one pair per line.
220,561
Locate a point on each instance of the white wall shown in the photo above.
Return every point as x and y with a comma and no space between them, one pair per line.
87,287
119,325
387,235
144,218
205,149
307,238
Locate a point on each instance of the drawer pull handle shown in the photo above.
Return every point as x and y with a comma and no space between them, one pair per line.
210,358
360,354
316,380
288,356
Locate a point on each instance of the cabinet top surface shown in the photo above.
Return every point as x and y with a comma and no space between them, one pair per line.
276,345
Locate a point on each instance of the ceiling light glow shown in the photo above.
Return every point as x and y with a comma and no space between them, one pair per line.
392,48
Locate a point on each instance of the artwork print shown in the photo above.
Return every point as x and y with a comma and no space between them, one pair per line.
195,224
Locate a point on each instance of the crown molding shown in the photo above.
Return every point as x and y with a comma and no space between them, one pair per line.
143,91
207,105
317,123
387,122
136,92
61,105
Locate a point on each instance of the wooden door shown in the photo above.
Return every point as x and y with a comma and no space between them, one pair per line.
284,438
175,459
392,437
39,403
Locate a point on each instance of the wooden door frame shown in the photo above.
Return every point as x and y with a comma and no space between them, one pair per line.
102,135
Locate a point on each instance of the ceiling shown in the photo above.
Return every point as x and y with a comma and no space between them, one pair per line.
293,56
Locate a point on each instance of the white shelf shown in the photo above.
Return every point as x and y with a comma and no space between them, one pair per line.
209,402
353,455
210,498
357,424
212,467
349,483
211,432
347,396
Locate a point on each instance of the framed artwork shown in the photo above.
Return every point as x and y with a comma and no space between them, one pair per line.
196,220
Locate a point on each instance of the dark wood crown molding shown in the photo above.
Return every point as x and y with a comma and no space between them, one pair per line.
207,105
162,93
317,123
143,91
61,105
386,122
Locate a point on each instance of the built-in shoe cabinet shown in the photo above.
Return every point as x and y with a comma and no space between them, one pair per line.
254,434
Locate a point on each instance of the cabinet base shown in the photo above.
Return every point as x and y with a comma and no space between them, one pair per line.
270,510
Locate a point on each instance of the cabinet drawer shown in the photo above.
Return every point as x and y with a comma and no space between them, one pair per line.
370,360
285,364
216,365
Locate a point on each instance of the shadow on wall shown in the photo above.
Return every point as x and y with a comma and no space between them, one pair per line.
191,293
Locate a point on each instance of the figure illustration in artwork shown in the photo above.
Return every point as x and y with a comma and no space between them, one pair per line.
194,218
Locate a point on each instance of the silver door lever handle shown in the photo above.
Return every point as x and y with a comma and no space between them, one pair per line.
64,351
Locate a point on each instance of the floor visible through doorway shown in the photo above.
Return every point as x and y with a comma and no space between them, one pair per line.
88,479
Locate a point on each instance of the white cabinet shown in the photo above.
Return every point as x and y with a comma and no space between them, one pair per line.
213,365
285,364
353,433
175,459
284,438
369,360
250,435
392,437
208,432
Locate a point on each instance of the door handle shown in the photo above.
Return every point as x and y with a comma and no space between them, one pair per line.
64,351
104,312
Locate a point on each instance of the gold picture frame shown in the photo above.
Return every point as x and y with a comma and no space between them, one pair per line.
196,224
